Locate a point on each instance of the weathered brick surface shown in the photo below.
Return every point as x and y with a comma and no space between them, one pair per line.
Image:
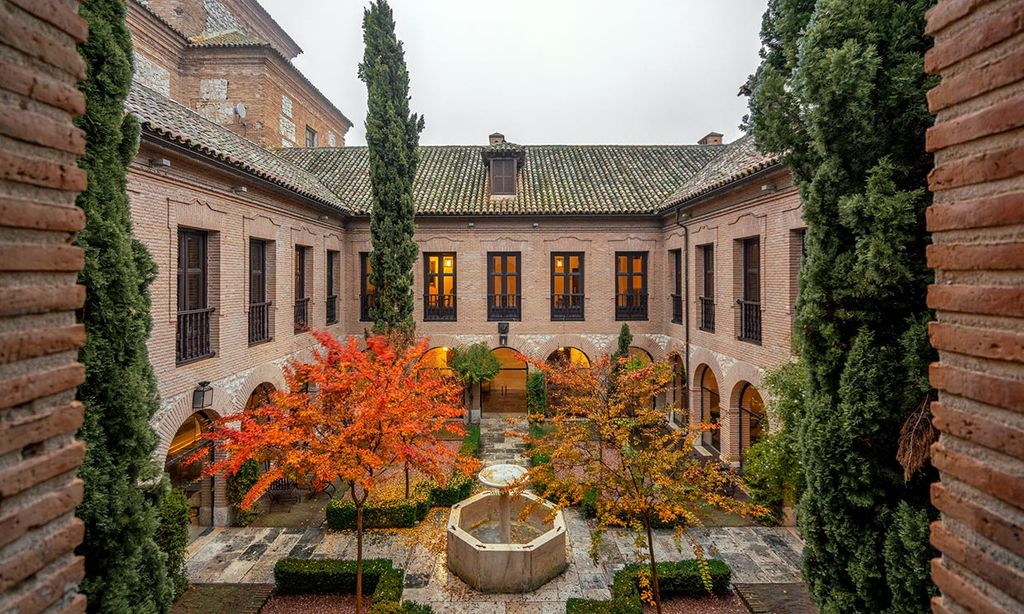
38,295
978,295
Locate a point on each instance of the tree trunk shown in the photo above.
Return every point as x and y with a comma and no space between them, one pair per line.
654,566
359,559
406,480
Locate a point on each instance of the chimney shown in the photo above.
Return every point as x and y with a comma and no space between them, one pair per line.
712,138
497,138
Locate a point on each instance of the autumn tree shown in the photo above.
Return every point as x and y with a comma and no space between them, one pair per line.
610,441
353,429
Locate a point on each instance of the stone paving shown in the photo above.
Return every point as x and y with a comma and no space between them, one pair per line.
757,555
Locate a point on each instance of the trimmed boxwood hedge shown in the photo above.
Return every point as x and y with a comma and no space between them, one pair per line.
380,514
680,578
381,581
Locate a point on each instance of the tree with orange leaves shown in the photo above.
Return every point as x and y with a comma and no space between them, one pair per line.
609,440
354,428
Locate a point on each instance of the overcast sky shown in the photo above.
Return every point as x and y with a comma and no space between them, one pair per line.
545,71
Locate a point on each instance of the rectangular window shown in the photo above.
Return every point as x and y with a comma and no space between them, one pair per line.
750,304
504,292
333,258
630,285
677,285
439,287
259,303
567,286
310,137
503,177
367,291
193,325
301,290
706,298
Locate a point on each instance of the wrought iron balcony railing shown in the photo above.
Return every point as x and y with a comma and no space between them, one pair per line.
193,335
677,309
332,309
439,308
259,322
504,307
631,306
750,321
706,317
567,307
302,314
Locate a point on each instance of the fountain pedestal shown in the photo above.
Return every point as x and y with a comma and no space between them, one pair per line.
502,543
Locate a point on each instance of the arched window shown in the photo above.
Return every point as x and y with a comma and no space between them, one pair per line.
438,358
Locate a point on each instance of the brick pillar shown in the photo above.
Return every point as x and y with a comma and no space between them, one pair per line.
978,257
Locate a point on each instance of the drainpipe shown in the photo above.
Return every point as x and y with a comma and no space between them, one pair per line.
686,316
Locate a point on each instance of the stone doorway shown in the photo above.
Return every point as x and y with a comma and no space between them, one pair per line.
506,393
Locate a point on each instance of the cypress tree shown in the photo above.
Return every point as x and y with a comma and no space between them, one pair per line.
841,93
392,134
125,569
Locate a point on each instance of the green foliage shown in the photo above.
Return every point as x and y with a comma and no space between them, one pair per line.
536,394
380,513
392,137
237,486
124,568
841,94
676,579
172,536
908,559
624,341
475,364
471,441
304,576
457,488
772,471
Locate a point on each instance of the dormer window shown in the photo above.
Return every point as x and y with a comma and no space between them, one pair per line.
503,177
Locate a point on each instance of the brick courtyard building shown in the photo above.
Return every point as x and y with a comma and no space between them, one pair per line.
257,216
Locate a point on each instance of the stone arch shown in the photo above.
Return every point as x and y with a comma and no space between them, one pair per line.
706,406
647,344
699,356
507,391
580,342
748,421
572,354
170,419
267,372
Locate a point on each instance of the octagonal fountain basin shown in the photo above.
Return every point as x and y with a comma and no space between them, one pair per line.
534,555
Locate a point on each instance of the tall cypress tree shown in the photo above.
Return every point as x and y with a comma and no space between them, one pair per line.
125,570
841,92
392,134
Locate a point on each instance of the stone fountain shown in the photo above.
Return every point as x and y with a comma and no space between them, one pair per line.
504,543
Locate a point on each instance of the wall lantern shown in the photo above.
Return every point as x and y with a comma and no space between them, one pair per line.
503,334
202,396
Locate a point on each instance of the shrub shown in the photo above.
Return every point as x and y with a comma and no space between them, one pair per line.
680,578
239,484
536,396
302,576
772,470
456,489
172,536
471,442
380,513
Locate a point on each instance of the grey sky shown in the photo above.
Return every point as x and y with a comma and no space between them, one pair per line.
545,71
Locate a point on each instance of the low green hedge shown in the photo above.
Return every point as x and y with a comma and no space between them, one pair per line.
382,582
675,579
379,514
456,489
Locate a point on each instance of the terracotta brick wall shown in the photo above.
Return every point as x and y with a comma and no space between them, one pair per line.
723,220
977,221
39,68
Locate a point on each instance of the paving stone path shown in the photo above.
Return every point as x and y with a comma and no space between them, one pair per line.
757,555
498,447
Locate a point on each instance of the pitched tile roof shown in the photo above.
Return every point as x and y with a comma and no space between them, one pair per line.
164,117
556,179
737,160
